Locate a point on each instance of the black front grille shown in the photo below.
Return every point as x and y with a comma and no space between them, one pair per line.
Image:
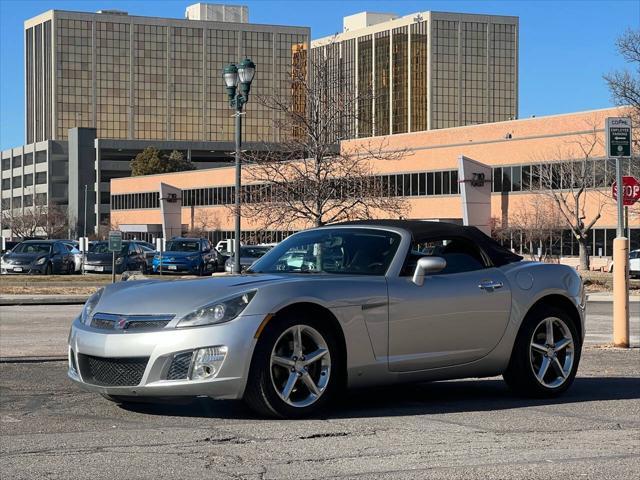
121,372
179,368
146,324
105,321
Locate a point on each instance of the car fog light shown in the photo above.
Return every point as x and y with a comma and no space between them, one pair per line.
207,362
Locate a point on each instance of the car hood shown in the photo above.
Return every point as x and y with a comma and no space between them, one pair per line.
100,257
23,257
175,297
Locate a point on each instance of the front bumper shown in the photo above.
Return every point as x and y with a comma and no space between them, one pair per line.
161,346
97,268
18,269
175,266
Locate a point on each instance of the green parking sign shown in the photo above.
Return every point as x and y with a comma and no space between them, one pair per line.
115,241
618,134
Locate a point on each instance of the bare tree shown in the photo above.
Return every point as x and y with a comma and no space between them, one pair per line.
203,221
41,219
624,85
573,181
537,225
308,179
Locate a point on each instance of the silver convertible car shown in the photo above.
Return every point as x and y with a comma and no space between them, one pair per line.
342,306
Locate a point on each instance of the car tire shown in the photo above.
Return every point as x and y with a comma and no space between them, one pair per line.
538,368
269,381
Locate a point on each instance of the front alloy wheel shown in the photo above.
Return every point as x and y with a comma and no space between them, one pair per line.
295,367
546,353
300,366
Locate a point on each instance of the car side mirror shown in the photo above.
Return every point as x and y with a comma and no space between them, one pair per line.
427,266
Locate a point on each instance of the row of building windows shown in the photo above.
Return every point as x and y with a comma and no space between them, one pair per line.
20,160
596,173
401,185
562,243
41,179
24,201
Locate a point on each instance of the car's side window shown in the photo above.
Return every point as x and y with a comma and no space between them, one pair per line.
460,254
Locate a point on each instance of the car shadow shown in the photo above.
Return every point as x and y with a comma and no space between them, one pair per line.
461,396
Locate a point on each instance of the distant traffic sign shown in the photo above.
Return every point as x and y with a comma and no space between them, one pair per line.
115,241
618,134
630,190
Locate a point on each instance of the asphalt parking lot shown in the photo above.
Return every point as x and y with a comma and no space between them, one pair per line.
459,429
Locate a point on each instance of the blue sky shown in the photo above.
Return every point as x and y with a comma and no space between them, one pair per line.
565,46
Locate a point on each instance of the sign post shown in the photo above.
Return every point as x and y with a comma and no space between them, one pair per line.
618,138
115,245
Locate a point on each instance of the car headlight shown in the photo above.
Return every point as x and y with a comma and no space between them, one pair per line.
40,261
89,306
217,312
119,260
8,261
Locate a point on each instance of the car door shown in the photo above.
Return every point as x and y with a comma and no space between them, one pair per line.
58,259
457,316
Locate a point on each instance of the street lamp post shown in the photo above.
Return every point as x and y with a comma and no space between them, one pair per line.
237,79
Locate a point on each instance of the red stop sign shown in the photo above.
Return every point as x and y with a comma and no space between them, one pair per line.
630,190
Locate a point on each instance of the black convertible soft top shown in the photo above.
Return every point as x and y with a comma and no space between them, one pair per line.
423,230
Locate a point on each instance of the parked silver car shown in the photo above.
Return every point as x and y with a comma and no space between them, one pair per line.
369,303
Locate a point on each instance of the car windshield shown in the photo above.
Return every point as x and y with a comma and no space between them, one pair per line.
183,246
37,248
253,252
634,254
347,251
103,247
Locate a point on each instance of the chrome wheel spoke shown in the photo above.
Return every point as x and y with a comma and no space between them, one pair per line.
543,369
314,356
561,344
297,341
538,347
311,385
283,361
291,383
549,331
558,367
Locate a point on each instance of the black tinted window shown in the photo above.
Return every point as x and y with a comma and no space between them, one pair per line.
461,255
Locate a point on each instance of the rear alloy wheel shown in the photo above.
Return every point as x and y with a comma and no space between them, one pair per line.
546,354
294,370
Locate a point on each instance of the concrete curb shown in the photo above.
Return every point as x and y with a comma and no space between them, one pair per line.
43,300
32,359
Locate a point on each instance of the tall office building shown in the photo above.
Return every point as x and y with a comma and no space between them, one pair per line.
100,87
151,78
423,71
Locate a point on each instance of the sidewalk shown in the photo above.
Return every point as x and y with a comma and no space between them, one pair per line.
608,297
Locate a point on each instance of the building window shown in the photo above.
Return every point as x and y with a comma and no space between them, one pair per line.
17,182
28,179
17,161
400,80
28,200
41,178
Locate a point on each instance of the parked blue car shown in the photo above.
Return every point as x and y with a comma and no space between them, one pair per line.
187,255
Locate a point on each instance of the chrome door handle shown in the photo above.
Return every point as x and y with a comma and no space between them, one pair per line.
490,285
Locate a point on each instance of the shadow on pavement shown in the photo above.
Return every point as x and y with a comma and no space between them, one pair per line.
417,399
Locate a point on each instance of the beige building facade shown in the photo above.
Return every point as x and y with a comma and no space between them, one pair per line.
427,177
